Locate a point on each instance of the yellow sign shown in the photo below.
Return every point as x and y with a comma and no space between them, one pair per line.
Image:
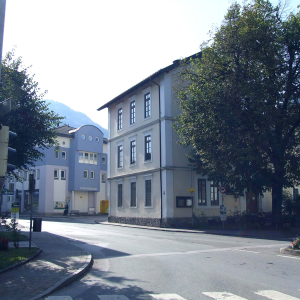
191,190
15,209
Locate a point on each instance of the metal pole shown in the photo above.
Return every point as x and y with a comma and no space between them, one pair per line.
30,201
192,199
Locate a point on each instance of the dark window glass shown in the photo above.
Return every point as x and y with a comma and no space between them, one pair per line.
148,147
120,118
147,103
201,191
120,156
132,152
214,193
148,192
133,194
132,112
120,195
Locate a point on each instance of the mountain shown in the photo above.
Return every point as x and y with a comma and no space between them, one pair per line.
73,118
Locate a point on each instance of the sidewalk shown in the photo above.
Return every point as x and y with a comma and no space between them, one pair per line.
58,264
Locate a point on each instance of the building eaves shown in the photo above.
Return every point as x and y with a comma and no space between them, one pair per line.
175,64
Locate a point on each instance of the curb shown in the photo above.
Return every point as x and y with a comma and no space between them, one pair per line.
21,262
68,279
290,251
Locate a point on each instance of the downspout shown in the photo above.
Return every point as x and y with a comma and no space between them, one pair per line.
160,176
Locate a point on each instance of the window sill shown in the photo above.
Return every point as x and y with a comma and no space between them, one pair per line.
148,207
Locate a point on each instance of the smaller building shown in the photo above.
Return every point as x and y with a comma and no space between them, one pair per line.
72,174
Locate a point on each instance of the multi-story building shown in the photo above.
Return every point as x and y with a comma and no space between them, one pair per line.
150,181
73,174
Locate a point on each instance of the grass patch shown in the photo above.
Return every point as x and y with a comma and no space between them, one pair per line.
7,235
13,256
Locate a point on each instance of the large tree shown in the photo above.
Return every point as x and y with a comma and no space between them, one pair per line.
29,117
241,101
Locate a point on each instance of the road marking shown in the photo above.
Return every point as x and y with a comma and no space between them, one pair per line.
58,298
289,256
167,297
275,295
246,251
223,296
112,297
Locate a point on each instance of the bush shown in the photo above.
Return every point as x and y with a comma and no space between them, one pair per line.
296,244
3,244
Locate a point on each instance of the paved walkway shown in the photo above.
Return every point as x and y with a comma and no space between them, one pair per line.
58,264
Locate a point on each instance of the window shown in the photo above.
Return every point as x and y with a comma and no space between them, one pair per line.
25,175
63,154
11,187
184,202
91,158
147,147
85,174
132,152
92,175
148,194
103,160
120,156
201,191
80,156
132,112
56,154
86,157
214,193
133,194
63,174
120,118
120,195
55,174
295,194
147,106
95,159
103,177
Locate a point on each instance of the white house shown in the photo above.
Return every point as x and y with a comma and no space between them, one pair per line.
150,181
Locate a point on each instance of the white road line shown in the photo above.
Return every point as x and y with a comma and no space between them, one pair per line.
112,297
166,297
223,296
58,298
294,257
273,295
246,251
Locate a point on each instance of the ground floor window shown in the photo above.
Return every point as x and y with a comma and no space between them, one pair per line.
133,194
201,191
148,193
214,193
120,195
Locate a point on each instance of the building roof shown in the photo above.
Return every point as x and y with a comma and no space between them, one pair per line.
64,130
175,64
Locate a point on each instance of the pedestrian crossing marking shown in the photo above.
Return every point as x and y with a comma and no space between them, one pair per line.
58,298
112,297
223,296
273,295
167,297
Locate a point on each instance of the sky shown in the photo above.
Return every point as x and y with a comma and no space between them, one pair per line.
85,53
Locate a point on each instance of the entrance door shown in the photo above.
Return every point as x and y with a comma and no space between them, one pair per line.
251,202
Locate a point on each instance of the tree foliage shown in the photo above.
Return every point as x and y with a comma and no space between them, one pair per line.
29,117
240,101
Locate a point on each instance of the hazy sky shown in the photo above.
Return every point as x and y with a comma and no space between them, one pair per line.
87,52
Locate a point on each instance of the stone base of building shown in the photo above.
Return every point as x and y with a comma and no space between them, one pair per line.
155,222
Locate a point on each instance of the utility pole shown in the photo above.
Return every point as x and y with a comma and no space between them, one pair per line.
2,19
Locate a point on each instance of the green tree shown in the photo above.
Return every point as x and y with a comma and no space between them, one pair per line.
29,117
240,101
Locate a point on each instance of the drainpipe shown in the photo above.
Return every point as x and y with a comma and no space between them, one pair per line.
160,177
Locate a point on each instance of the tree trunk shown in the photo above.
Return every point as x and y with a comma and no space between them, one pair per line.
277,188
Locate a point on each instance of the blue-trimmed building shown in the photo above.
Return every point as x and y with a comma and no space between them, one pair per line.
75,174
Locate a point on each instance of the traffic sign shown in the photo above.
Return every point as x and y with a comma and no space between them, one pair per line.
222,189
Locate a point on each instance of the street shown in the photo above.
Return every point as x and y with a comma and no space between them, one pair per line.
152,264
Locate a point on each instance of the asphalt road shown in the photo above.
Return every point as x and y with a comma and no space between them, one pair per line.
146,264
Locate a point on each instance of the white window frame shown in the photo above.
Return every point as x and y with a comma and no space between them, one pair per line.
131,139
80,160
207,198
146,133
63,174
37,174
145,92
92,174
57,172
87,174
64,153
132,99
132,180
120,106
118,145
148,177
